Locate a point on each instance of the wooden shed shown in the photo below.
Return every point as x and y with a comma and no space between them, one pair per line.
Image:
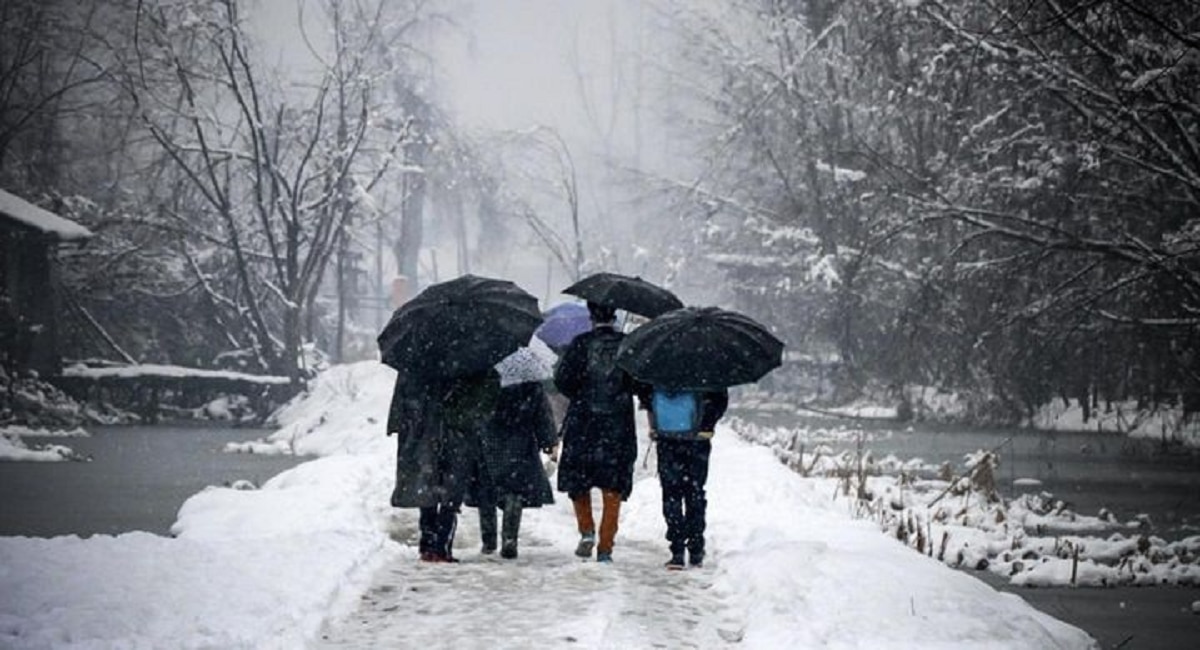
29,310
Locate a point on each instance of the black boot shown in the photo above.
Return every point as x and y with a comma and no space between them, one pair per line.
447,515
487,528
696,552
676,561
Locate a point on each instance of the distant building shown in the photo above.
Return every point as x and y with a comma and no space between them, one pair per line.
29,310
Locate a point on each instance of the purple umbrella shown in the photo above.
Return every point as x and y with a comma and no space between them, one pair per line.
563,323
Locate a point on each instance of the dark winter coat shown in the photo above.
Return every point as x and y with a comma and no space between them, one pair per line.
438,426
599,438
509,461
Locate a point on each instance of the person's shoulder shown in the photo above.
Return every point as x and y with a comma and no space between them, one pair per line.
581,341
607,334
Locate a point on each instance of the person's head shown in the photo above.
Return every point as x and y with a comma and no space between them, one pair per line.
601,314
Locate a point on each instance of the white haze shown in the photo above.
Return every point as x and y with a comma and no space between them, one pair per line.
582,72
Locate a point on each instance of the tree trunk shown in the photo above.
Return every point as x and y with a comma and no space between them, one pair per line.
339,350
291,344
407,247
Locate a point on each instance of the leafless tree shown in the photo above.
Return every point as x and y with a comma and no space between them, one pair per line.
279,176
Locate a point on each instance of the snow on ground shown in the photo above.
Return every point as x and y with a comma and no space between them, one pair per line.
14,448
316,558
40,432
956,515
931,404
864,409
345,411
1165,423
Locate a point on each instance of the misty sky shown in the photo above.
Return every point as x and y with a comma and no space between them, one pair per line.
507,65
514,71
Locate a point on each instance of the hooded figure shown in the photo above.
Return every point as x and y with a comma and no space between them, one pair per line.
599,436
438,424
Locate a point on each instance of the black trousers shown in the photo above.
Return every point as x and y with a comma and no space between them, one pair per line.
510,504
682,472
438,524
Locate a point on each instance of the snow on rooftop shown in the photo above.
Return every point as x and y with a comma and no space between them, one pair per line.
29,214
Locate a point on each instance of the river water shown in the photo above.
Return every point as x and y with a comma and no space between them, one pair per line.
137,479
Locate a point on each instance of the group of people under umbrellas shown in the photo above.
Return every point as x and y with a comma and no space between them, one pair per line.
472,405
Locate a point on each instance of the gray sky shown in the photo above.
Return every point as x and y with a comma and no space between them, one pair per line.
512,64
515,70
508,64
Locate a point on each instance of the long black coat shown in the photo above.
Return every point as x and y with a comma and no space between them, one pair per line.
599,450
509,462
435,461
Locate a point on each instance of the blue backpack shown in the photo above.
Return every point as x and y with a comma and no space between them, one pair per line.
676,413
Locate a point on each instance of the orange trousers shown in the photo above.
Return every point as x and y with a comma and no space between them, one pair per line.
608,517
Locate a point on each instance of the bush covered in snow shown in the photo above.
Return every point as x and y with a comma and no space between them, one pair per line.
956,515
28,400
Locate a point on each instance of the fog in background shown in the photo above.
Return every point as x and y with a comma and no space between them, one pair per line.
530,83
590,74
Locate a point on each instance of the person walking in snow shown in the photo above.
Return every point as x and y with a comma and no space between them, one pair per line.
681,426
510,473
599,438
438,423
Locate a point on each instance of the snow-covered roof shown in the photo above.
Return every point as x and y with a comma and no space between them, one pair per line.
18,209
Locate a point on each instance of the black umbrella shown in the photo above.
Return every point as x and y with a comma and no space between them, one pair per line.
459,327
625,292
700,348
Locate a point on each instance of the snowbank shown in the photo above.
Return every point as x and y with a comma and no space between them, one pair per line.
354,396
13,448
807,575
41,432
1164,423
246,569
955,514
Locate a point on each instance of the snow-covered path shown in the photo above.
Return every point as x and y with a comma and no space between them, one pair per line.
545,599
787,568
